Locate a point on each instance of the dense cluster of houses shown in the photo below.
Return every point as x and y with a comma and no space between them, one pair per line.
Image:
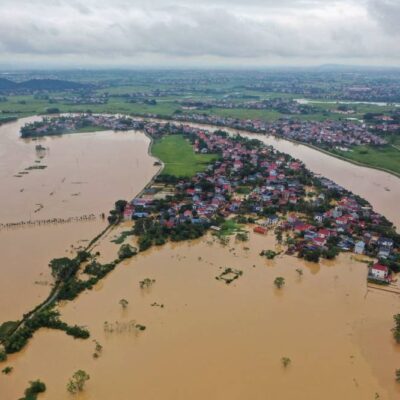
284,106
381,91
323,134
277,194
73,123
80,99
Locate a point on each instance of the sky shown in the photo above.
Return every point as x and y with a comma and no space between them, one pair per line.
198,33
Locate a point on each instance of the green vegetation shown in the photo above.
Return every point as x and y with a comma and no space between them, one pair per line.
126,251
7,370
269,254
229,275
152,232
121,238
98,349
124,303
387,157
286,361
179,157
396,329
77,383
46,318
146,283
230,227
36,387
6,328
3,355
279,282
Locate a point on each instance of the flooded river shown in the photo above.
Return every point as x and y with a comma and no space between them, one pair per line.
210,340
203,338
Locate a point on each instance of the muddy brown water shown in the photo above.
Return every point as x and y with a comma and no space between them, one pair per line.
210,340
85,174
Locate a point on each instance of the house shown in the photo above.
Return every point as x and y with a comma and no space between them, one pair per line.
380,272
359,247
324,233
319,241
272,220
128,212
319,218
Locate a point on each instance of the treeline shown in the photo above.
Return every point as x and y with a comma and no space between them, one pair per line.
152,232
46,318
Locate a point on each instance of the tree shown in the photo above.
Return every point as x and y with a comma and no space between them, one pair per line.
120,206
3,355
299,271
279,282
77,382
285,361
124,303
7,370
398,375
126,251
396,329
34,389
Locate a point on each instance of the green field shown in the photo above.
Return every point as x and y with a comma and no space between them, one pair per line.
179,157
386,157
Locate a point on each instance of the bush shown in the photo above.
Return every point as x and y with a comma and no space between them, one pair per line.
34,389
126,251
279,282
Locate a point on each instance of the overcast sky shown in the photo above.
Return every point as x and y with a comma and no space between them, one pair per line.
199,32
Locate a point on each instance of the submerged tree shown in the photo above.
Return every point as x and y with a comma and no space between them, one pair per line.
77,382
124,303
279,282
34,389
396,329
299,271
286,361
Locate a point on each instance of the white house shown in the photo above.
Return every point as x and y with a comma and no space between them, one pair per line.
378,271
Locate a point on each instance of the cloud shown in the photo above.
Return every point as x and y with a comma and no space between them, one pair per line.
186,31
387,13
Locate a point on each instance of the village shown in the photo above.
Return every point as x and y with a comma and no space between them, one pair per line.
284,106
326,134
311,216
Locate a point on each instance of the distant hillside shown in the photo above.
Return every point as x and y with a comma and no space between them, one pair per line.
40,84
5,84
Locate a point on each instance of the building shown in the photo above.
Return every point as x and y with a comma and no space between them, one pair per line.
359,247
379,272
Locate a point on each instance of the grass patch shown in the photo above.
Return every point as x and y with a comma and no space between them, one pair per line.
179,157
121,238
387,157
230,227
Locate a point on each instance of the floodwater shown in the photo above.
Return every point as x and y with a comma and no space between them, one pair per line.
217,341
85,174
209,340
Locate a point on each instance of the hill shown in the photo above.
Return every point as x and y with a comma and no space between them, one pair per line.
40,84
